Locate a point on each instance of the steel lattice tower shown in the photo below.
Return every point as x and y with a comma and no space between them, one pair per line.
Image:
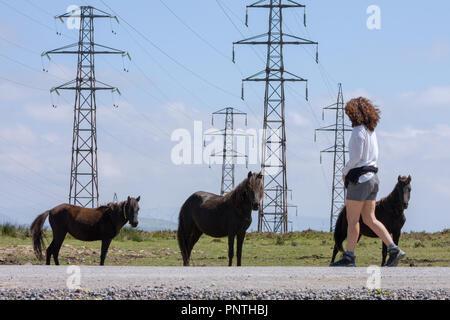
273,215
84,168
228,153
338,149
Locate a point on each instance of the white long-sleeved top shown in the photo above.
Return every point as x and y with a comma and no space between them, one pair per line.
363,151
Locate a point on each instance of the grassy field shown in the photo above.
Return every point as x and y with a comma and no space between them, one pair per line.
160,248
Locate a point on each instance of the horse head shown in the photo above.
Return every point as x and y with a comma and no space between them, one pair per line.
255,189
131,210
403,188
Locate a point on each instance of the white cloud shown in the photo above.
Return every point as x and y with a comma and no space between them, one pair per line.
45,112
438,51
436,96
18,133
109,166
298,119
416,144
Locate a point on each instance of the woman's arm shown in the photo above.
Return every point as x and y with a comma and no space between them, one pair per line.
355,149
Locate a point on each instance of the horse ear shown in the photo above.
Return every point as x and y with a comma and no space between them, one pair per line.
249,174
128,199
259,175
138,198
399,178
409,179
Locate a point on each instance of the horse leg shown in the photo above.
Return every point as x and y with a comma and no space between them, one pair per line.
230,249
383,253
240,242
194,236
105,246
335,252
396,237
58,239
49,252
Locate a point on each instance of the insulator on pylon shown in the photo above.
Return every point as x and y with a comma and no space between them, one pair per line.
242,91
246,17
233,55
304,16
317,53
306,90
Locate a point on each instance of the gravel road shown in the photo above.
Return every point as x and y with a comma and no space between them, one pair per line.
50,282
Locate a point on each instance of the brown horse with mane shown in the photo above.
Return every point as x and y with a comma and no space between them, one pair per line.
220,216
102,223
389,211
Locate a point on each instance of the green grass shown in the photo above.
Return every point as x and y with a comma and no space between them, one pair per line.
160,248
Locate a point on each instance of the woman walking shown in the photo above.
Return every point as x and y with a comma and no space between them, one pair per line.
361,180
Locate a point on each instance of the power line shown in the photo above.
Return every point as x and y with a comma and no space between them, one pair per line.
181,65
23,84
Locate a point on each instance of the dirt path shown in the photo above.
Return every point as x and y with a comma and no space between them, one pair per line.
289,278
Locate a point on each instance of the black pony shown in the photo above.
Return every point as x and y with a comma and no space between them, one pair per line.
389,211
220,216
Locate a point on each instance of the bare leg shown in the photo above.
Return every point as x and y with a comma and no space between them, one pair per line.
353,213
368,216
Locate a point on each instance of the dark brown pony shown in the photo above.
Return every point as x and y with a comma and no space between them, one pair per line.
102,223
389,211
220,216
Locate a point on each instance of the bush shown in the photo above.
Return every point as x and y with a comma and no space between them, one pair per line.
130,234
418,244
13,231
279,240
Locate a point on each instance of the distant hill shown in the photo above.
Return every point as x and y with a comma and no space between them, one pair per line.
154,224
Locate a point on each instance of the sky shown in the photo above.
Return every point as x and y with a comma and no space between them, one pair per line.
181,71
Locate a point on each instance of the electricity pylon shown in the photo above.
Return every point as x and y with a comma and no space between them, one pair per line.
84,169
228,153
273,214
338,149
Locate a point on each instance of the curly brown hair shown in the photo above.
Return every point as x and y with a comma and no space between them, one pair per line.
362,111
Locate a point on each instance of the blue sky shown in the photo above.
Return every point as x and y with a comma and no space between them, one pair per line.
181,71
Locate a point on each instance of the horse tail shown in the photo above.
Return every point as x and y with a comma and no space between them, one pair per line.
37,234
340,229
181,233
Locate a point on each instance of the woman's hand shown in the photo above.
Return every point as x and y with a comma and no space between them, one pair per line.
343,178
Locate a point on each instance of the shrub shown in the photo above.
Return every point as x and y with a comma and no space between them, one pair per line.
14,231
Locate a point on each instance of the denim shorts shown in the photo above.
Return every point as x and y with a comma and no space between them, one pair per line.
363,191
